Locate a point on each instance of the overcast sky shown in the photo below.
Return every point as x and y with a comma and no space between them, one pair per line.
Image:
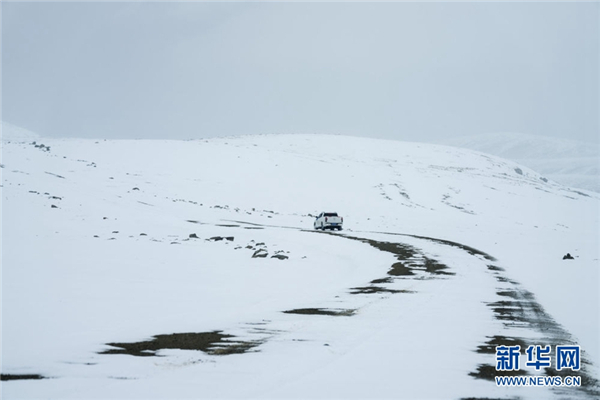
407,71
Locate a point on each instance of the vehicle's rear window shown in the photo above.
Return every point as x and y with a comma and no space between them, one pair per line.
331,215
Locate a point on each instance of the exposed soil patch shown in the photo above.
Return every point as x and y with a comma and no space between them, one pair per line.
380,281
446,202
436,268
214,343
376,289
399,269
488,372
11,377
323,311
490,346
56,175
513,294
195,222
504,279
252,224
402,251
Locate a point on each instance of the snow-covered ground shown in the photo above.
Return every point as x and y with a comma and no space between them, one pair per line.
121,257
570,162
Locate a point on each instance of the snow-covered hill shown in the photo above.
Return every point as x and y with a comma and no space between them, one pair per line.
12,132
569,162
134,269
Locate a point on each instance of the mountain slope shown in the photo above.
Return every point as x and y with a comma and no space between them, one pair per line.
115,252
569,162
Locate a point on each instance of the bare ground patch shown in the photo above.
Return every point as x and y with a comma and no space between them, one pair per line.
213,343
16,377
322,311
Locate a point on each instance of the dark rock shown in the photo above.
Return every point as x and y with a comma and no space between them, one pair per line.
135,188
280,256
12,377
219,238
143,234
194,236
568,256
53,206
260,253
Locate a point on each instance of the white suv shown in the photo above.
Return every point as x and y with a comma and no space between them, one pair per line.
329,220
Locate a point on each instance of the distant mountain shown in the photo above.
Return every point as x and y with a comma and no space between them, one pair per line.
569,162
12,132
